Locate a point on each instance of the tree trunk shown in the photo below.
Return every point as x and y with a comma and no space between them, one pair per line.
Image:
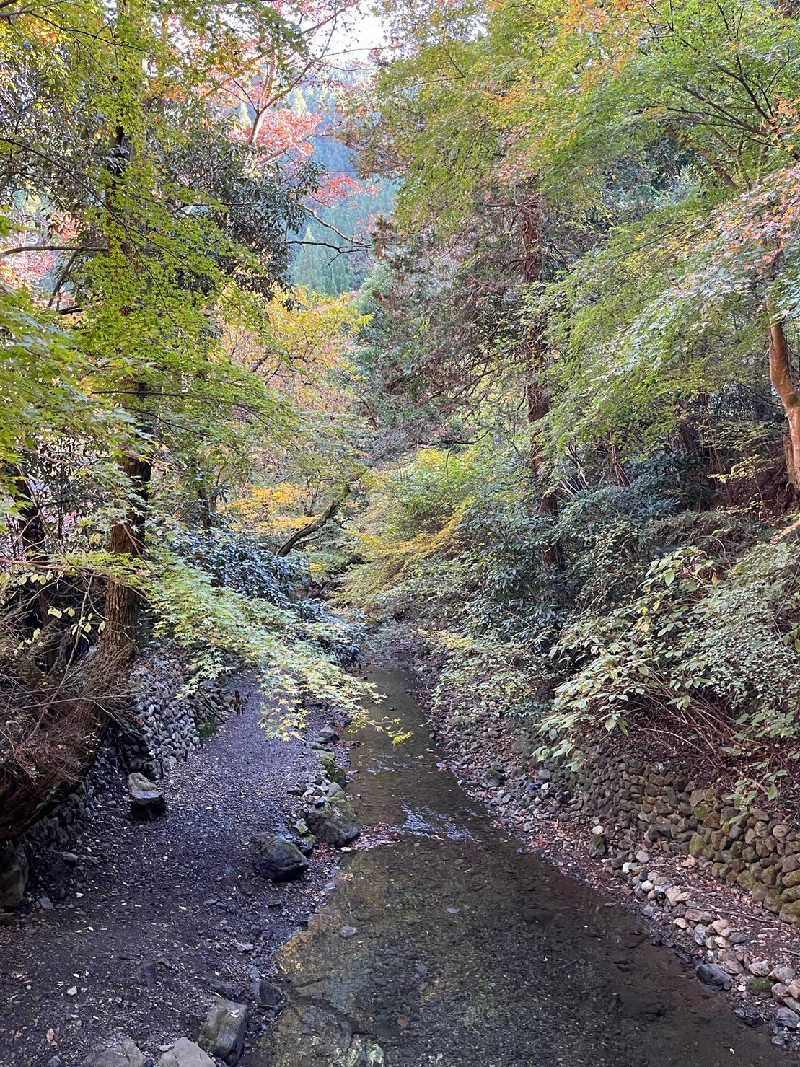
780,373
128,535
207,501
30,525
311,528
127,539
537,396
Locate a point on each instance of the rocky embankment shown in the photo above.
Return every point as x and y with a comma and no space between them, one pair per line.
147,929
719,885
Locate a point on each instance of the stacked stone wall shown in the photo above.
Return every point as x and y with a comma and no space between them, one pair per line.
162,727
636,803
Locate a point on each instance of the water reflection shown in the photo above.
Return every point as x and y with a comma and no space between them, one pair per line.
449,947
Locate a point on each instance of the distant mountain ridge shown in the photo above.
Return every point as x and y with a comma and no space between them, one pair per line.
321,268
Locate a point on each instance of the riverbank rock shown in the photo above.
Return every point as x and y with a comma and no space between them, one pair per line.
277,859
13,875
710,974
224,1029
334,822
185,1053
146,797
117,1051
264,993
305,840
332,770
787,1018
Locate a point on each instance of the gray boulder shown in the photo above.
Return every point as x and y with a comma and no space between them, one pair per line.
277,859
116,1051
224,1029
185,1053
146,797
711,974
334,822
787,1018
13,874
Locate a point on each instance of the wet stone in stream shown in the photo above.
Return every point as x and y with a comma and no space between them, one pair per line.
466,953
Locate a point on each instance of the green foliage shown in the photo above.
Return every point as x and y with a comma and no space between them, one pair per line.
41,385
207,729
432,124
714,653
291,646
241,563
662,620
596,269
147,369
216,623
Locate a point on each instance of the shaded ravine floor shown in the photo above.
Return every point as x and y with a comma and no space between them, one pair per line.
449,946
157,916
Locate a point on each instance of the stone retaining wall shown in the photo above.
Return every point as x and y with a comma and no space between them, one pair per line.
633,803
168,726
163,728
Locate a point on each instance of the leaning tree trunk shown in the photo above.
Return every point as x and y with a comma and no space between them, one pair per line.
780,373
312,527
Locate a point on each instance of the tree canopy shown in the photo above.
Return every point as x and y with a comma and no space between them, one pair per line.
498,329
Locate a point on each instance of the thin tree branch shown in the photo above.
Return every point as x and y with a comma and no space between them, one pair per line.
77,249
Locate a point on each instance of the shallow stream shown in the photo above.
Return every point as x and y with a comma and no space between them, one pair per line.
449,946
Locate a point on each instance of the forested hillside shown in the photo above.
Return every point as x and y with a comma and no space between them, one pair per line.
586,314
156,363
350,348
336,252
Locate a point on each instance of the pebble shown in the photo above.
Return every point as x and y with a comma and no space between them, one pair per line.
348,931
676,895
731,966
697,915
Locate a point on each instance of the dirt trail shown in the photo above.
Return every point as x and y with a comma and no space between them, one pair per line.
155,916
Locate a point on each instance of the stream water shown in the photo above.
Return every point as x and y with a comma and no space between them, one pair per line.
448,946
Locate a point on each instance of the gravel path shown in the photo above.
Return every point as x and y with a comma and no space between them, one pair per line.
153,917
